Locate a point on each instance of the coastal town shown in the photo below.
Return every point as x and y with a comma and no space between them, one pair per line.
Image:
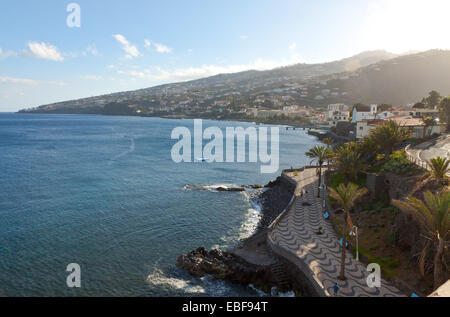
376,194
220,157
382,170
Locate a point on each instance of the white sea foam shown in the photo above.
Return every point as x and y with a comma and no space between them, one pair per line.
205,285
274,292
158,278
212,187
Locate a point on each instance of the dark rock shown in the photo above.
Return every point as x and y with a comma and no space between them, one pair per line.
253,186
274,183
223,265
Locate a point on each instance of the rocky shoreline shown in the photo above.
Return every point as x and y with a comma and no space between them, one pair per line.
240,265
223,265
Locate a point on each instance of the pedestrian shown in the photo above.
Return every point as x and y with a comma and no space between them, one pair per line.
335,289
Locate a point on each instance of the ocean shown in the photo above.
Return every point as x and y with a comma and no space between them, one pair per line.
103,192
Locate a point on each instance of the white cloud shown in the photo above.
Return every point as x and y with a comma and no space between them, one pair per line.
44,51
161,48
92,77
293,46
92,49
243,37
6,54
23,81
160,75
130,50
26,81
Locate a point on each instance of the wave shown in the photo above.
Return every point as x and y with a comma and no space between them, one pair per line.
158,278
205,286
274,292
213,188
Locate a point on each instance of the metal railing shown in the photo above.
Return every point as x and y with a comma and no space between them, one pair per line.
416,159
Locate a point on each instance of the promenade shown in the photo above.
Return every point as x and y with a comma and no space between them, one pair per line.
294,238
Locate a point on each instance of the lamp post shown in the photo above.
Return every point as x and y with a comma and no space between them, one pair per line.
324,190
355,233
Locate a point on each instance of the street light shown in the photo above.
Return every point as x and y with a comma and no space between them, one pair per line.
354,232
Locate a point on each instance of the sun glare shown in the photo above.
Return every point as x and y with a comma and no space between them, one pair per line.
403,25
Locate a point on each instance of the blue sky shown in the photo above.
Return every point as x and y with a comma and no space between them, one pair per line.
125,45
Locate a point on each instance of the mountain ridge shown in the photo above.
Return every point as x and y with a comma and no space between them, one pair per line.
295,72
369,77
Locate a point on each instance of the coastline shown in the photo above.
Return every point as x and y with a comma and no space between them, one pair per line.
250,263
296,125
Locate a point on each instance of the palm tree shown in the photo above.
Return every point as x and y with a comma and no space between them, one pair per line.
328,142
368,149
319,154
346,197
433,216
428,122
439,168
349,161
388,135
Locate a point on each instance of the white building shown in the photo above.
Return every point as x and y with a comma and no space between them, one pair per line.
364,127
337,107
361,112
408,111
339,116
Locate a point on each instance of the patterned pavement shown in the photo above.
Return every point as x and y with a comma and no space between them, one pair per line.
296,233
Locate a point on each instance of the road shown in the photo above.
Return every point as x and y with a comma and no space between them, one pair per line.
439,148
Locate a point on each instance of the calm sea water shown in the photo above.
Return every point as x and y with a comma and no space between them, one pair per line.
103,192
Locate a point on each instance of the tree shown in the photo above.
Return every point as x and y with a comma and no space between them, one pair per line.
440,167
433,99
444,111
420,105
319,154
346,197
384,107
388,135
349,161
433,216
368,149
328,142
428,122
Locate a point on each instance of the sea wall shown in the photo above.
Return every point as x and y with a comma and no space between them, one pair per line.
239,265
302,277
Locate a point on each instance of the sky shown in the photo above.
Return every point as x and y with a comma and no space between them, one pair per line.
125,45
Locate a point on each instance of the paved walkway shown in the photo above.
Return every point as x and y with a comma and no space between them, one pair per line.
295,233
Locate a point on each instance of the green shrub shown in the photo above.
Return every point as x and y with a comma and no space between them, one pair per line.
398,164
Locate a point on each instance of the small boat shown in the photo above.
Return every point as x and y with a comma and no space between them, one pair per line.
202,159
